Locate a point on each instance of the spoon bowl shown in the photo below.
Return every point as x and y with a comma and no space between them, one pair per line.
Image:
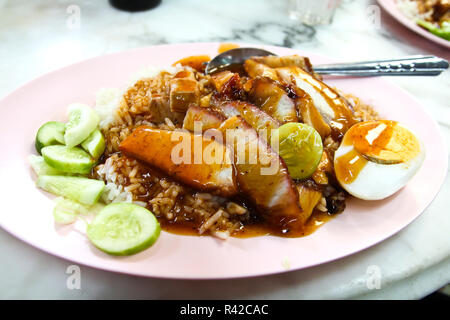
408,66
233,57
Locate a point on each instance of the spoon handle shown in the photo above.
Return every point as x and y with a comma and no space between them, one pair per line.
408,66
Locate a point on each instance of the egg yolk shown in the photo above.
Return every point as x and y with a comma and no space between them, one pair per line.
381,141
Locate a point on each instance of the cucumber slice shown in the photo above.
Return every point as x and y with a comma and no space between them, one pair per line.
83,190
123,229
41,167
67,211
50,133
95,208
94,144
83,120
72,160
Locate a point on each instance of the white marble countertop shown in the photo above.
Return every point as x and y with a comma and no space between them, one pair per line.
37,37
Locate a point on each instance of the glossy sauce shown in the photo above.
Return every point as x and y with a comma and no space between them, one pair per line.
374,140
349,165
256,226
316,220
253,229
358,135
183,225
192,169
343,115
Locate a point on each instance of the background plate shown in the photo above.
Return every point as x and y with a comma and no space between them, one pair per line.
27,211
391,8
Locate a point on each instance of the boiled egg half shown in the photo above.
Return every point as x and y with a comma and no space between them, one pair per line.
377,158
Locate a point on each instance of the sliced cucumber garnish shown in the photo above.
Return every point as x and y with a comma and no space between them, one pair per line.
123,229
41,167
67,211
50,133
72,160
83,190
83,120
94,144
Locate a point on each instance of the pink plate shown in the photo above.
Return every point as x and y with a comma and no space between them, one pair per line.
27,211
391,7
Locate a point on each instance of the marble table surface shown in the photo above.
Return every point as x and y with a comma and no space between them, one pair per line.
39,36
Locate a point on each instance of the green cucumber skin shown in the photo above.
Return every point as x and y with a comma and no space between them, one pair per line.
41,167
94,144
147,244
58,129
50,155
66,211
83,190
77,132
62,217
135,248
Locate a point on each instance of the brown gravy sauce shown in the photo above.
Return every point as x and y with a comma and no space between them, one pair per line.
253,229
357,137
256,227
349,165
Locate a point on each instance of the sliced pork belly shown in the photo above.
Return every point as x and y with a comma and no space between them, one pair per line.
256,69
183,92
159,110
273,99
332,107
221,78
255,117
191,159
262,175
285,61
309,197
310,114
206,117
150,101
229,85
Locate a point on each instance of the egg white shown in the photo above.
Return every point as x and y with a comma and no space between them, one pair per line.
377,181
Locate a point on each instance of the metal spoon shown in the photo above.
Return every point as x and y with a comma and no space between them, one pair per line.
419,65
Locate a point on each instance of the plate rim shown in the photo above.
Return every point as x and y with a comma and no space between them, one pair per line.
391,8
251,275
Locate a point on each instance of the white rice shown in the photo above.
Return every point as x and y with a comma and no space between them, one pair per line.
411,10
106,103
107,100
113,192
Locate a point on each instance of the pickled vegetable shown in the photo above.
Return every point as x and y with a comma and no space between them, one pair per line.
301,148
